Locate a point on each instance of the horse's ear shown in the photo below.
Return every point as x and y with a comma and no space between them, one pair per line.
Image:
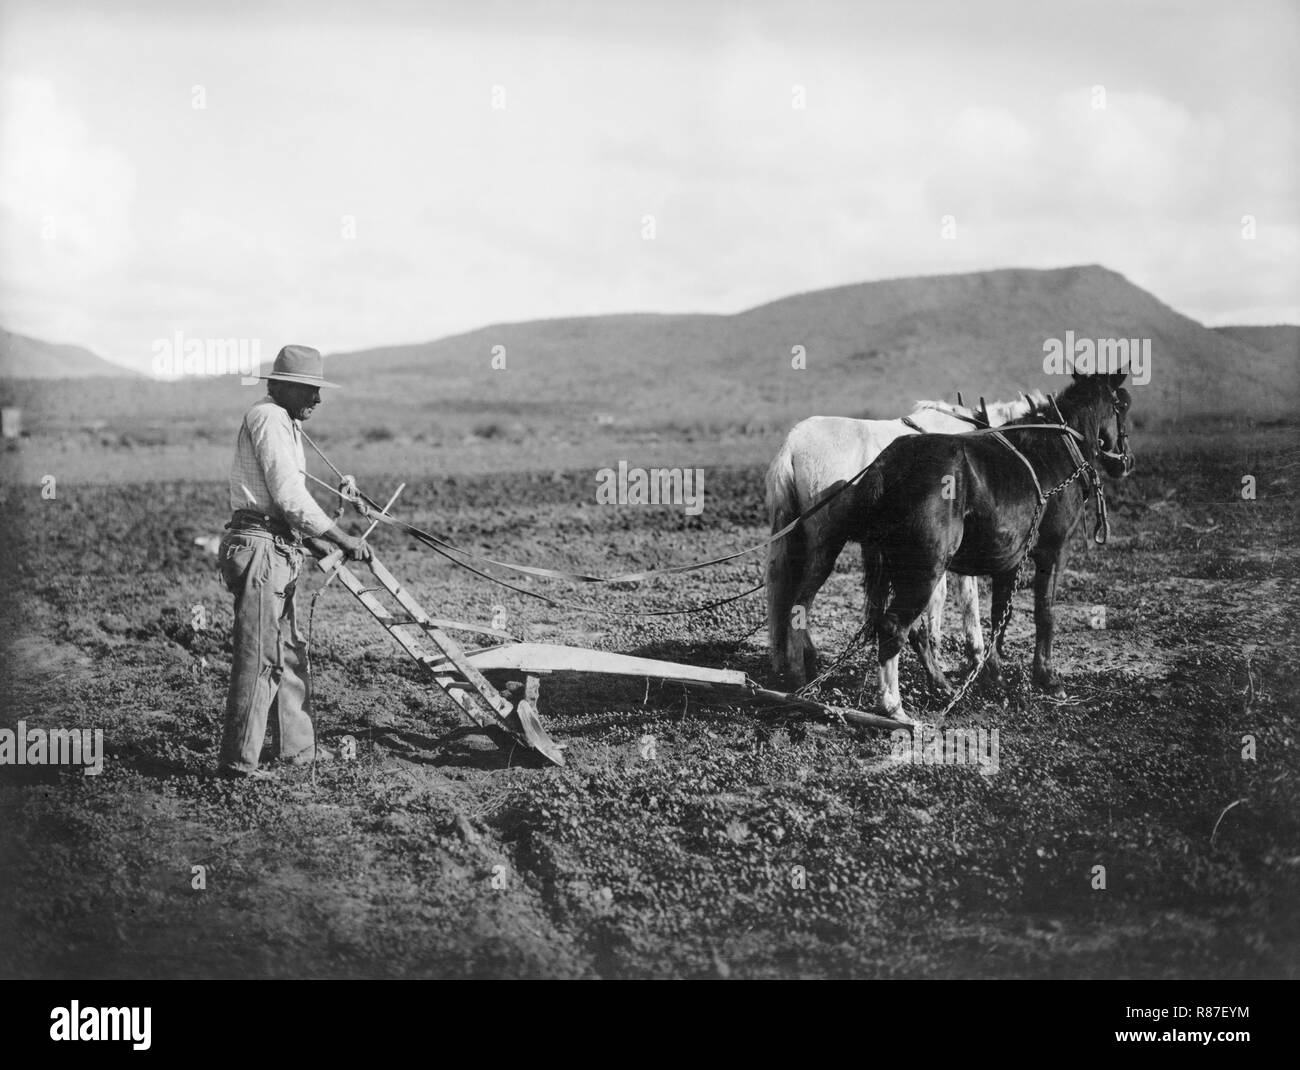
1079,377
1116,379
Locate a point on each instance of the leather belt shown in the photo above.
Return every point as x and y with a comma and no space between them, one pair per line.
250,520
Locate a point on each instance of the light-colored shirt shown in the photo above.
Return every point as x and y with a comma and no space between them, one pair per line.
267,475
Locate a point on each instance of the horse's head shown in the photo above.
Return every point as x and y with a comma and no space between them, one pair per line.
1097,407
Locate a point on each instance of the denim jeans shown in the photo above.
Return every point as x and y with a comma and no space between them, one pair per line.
266,678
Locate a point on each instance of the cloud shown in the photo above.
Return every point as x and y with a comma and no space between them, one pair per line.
64,203
468,214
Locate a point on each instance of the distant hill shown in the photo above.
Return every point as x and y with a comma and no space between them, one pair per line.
1281,341
593,386
30,358
870,348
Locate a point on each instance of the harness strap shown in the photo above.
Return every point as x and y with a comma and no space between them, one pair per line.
974,421
1101,529
1065,428
1038,487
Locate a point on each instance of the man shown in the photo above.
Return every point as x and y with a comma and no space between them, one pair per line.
261,557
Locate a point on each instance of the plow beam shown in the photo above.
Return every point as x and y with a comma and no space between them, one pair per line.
459,673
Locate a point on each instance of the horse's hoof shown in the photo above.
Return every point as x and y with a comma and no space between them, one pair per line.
1052,688
895,711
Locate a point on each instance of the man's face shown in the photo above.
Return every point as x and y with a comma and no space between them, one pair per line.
298,399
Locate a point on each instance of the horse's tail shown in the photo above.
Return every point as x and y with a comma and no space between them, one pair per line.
875,580
785,556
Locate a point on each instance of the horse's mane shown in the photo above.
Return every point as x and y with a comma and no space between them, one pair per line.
1076,395
1029,404
1039,410
1000,412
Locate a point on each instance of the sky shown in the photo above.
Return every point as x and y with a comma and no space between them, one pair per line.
348,175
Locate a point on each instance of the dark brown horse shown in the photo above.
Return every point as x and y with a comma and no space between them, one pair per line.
968,504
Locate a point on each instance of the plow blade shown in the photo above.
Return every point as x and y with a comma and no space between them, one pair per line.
548,658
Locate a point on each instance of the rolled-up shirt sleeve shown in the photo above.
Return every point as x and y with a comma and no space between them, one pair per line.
270,430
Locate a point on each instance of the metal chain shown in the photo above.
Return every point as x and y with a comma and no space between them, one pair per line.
734,644
1021,576
858,638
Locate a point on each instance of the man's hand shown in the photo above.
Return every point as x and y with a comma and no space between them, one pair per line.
355,549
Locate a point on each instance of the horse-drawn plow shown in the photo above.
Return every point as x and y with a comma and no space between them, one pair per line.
463,674
499,685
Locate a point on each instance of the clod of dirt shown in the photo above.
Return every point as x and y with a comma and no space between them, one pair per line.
115,624
467,831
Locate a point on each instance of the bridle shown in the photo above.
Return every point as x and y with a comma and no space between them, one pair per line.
1120,405
1082,466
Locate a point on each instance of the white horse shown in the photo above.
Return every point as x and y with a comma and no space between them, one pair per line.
818,456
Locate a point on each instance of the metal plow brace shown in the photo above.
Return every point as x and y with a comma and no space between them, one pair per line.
460,672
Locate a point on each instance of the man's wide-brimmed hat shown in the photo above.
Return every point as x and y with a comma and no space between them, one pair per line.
299,364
